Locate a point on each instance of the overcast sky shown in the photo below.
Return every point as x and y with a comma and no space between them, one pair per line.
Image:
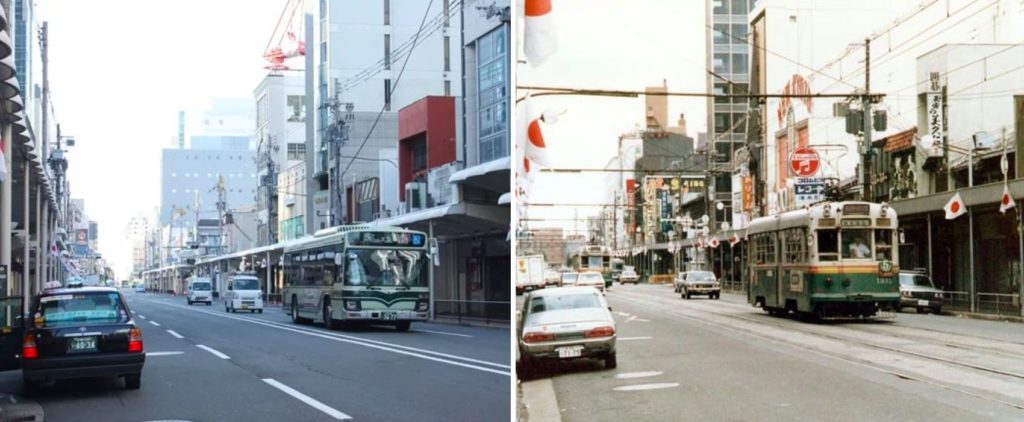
119,72
613,45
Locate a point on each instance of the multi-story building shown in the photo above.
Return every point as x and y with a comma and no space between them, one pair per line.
280,144
291,203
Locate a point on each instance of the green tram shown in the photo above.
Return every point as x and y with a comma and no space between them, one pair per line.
832,260
359,274
593,258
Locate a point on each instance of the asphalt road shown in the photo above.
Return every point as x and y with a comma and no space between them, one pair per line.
724,360
204,364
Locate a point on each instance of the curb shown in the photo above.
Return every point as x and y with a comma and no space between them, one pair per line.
17,408
986,317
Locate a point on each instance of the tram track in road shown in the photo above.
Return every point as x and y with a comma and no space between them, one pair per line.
994,387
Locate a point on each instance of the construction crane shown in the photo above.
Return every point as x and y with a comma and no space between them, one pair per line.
286,42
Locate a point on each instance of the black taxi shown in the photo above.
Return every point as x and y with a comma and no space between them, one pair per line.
72,333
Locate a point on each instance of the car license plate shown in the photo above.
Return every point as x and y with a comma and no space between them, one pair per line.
389,316
922,303
82,344
569,352
245,306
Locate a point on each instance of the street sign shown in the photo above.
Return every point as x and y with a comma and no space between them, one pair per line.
809,190
804,162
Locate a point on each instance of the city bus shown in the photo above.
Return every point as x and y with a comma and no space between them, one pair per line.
593,258
358,274
832,260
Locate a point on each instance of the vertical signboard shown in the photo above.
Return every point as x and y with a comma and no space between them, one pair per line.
1018,121
936,126
3,279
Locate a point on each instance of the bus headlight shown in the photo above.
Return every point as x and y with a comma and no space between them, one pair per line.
422,306
352,305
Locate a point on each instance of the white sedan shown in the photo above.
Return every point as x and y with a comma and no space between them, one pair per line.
629,276
566,323
591,279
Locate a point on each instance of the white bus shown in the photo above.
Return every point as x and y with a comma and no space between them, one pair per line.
358,273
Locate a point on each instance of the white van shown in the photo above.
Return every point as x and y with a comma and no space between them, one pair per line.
243,293
200,289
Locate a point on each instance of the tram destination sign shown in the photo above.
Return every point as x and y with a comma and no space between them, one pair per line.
387,238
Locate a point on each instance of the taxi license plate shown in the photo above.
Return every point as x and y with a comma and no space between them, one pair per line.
389,316
922,303
569,352
82,344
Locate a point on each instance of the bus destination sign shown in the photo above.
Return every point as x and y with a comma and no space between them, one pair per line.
394,239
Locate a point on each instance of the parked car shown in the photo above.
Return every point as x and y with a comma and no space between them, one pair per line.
691,283
569,278
591,279
81,332
918,292
563,324
552,278
140,289
629,276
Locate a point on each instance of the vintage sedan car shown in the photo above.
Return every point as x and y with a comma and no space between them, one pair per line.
569,278
629,276
698,283
918,292
566,323
81,333
552,278
591,279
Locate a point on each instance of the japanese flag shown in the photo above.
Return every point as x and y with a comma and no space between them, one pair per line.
535,146
3,162
1007,201
539,39
713,242
734,240
955,207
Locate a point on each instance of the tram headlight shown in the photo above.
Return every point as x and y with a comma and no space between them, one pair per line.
828,281
885,208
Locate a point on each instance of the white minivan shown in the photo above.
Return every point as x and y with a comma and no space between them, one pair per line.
243,293
200,289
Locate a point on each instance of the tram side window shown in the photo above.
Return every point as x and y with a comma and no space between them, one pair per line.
828,245
856,244
794,249
883,245
764,248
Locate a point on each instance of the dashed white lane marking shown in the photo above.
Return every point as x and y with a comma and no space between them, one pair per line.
444,333
642,320
163,353
630,375
641,387
211,350
631,318
175,334
140,316
155,323
633,338
622,314
330,411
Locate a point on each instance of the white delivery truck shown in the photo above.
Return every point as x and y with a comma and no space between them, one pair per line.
529,273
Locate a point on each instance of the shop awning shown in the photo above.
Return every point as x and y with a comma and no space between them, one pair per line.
978,195
457,220
492,175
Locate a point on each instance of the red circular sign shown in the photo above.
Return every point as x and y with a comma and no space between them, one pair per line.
804,162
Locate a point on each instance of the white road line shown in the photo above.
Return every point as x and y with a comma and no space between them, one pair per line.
622,314
630,375
641,387
394,348
330,411
175,334
140,316
163,353
633,338
211,350
443,333
631,318
642,320
154,323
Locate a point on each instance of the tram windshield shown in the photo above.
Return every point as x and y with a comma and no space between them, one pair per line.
856,244
874,244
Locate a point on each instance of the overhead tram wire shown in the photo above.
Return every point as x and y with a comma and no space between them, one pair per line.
393,88
557,91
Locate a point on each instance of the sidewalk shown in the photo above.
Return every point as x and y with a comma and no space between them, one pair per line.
17,408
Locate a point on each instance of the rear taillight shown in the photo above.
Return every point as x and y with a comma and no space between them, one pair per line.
135,340
601,332
28,348
536,337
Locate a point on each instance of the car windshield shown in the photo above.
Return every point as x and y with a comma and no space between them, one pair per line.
246,284
701,276
562,302
629,272
570,277
590,277
915,280
387,267
205,285
80,308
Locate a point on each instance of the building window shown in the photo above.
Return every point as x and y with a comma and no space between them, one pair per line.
387,51
492,71
721,62
739,63
739,33
739,7
387,95
387,12
721,7
447,12
297,105
721,33
447,88
296,151
447,55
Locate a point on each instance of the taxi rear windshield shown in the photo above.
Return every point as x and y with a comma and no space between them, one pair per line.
201,286
80,308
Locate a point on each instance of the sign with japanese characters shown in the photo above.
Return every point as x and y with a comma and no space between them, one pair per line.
809,190
936,125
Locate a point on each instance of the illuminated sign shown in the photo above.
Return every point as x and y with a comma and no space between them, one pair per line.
394,239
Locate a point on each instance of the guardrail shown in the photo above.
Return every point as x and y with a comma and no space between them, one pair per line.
734,286
486,311
1008,304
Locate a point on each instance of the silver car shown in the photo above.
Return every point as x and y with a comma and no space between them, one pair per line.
566,323
591,279
917,291
569,278
691,283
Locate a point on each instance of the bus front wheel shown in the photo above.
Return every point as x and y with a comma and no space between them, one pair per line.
403,326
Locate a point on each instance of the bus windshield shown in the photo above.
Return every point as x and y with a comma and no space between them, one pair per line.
386,267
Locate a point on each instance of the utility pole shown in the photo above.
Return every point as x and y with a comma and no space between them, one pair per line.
868,122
